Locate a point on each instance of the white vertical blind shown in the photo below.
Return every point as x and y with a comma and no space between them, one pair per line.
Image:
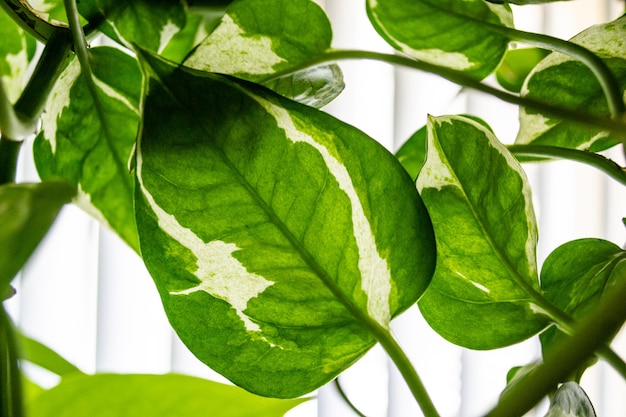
88,296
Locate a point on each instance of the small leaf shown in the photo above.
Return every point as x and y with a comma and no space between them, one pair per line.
148,23
565,82
27,212
14,56
251,42
570,400
449,33
170,395
87,139
275,233
516,66
39,354
479,201
574,277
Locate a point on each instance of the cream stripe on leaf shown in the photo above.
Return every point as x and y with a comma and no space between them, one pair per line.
480,204
277,235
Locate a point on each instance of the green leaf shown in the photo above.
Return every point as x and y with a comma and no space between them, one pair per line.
88,135
50,9
276,234
516,66
39,354
257,38
170,395
27,212
450,33
574,277
197,28
570,400
563,81
477,195
14,56
148,23
523,2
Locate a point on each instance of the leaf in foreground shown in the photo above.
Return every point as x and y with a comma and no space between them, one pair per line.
566,82
276,234
480,204
170,395
87,139
27,212
449,33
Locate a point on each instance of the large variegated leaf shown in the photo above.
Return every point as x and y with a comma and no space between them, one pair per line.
480,205
170,395
450,33
14,56
276,234
27,212
563,81
575,276
88,135
149,23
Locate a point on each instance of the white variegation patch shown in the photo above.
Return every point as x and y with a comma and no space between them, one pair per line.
114,94
220,274
375,272
83,201
436,172
453,60
228,50
14,81
503,13
167,33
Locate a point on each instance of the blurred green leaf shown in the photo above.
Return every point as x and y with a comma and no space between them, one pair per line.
516,66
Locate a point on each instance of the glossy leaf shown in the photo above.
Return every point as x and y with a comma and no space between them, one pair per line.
574,277
516,66
479,201
88,135
27,212
170,395
148,23
251,43
570,400
563,81
449,33
14,56
275,233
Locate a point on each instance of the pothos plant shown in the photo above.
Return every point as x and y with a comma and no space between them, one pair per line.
283,241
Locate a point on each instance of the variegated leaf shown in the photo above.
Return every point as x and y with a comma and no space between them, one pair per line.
570,400
479,201
276,234
563,81
449,33
14,56
88,135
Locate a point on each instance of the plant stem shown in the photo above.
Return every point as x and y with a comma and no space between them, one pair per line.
80,43
11,403
589,336
9,152
616,126
595,160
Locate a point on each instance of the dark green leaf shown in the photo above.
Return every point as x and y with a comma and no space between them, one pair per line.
110,395
148,23
274,232
570,400
41,355
478,198
565,82
27,212
450,33
516,66
575,276
88,135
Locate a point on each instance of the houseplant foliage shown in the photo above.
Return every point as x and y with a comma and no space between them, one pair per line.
283,241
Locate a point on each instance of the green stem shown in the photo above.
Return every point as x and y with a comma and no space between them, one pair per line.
11,402
616,126
9,152
588,336
595,160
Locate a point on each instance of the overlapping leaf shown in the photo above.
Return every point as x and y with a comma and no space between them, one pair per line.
170,395
516,66
149,23
276,234
449,33
565,82
479,201
88,135
27,212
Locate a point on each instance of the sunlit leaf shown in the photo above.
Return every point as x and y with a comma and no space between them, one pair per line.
570,400
275,233
565,82
479,201
149,23
170,395
50,9
14,56
27,212
450,33
516,66
197,28
88,135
